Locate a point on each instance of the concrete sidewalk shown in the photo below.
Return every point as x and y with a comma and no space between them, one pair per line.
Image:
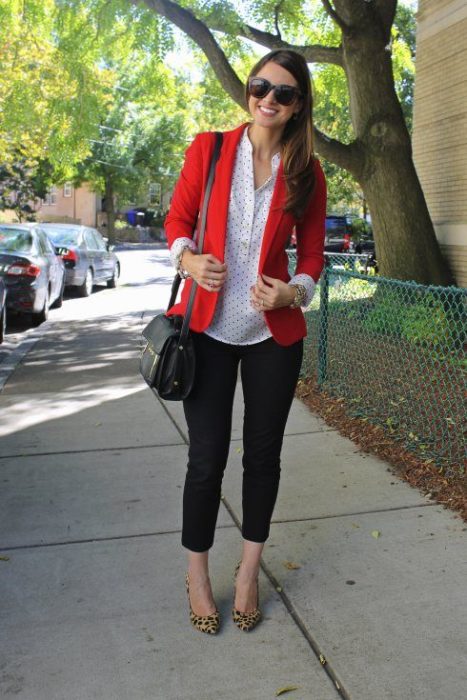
92,572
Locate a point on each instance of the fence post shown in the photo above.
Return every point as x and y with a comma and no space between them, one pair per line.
323,327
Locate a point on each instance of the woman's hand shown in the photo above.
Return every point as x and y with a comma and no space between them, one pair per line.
205,269
269,293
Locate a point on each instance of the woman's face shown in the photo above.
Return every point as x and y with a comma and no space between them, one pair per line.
266,111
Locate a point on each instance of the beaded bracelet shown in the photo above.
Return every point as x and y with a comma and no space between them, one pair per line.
300,296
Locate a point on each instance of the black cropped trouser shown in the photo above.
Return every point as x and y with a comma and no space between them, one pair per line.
269,374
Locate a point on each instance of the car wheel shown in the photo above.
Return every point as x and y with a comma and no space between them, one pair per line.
85,289
113,281
2,325
43,315
59,300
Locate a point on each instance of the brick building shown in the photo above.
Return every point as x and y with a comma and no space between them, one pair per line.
70,204
440,123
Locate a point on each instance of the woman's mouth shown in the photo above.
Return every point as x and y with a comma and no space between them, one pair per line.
267,111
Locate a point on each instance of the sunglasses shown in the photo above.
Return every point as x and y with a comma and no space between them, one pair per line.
283,94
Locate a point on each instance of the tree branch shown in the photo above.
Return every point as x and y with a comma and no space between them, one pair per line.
276,19
350,157
335,16
313,53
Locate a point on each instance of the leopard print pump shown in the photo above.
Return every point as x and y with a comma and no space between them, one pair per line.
203,623
246,621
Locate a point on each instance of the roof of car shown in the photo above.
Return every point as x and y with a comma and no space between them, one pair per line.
54,225
25,226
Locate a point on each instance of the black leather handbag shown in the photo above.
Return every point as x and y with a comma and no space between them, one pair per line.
168,361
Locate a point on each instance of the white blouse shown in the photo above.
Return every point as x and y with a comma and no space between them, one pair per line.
235,321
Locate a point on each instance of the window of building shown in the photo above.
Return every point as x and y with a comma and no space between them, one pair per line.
67,189
51,196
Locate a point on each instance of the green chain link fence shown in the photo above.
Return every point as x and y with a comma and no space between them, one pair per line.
395,351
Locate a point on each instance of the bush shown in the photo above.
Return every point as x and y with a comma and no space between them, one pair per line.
424,321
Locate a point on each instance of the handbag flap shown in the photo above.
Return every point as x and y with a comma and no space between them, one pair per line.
160,329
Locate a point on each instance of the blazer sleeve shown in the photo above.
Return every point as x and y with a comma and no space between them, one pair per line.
183,213
311,230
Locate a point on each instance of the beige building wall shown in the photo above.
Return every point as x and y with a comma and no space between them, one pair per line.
66,203
440,123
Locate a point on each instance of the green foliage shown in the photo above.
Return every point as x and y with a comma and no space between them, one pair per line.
361,229
422,320
61,64
21,182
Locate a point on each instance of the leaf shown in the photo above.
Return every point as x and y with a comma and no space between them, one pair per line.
239,449
354,525
376,534
291,566
286,689
4,557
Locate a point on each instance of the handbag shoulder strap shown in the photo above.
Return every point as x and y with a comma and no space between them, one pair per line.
207,194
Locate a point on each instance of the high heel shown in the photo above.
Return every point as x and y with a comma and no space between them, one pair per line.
246,621
203,623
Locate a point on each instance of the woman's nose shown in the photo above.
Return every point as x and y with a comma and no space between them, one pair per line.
270,97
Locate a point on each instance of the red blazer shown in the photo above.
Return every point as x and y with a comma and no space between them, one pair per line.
286,325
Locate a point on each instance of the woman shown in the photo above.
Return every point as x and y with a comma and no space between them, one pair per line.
246,312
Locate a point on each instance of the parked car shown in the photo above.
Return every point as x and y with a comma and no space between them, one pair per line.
2,310
86,254
338,236
33,274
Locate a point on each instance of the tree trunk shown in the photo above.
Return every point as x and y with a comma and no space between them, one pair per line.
110,208
405,240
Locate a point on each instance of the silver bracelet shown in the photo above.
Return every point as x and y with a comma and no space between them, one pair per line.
178,263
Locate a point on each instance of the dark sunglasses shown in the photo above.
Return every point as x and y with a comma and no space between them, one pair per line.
283,94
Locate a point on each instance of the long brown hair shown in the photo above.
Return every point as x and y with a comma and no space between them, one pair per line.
297,140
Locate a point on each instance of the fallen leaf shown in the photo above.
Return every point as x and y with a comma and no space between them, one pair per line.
322,659
239,449
355,525
97,424
291,566
376,534
287,689
4,557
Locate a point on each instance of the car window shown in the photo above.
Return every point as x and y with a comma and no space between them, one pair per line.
42,243
45,246
50,245
15,240
64,236
91,244
100,243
